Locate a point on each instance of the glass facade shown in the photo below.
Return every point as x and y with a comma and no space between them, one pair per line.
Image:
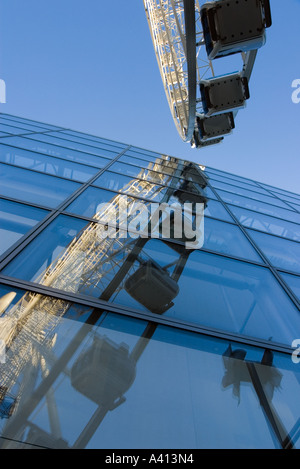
113,341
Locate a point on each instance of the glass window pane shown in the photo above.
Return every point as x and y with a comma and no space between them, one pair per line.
46,164
142,160
258,206
282,192
294,206
222,293
62,142
227,239
160,165
33,124
248,193
59,152
150,370
135,187
13,129
215,209
282,253
20,125
146,153
262,222
91,139
230,178
293,282
218,181
34,260
36,188
288,198
87,204
15,221
89,142
135,171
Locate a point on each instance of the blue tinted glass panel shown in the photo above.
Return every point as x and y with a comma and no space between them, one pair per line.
145,159
282,192
227,177
201,377
87,204
287,198
248,193
282,253
136,171
21,125
33,124
36,188
34,261
258,206
293,282
151,154
13,129
59,152
262,222
294,206
62,142
86,138
164,166
15,221
215,209
227,239
90,142
46,164
223,293
136,187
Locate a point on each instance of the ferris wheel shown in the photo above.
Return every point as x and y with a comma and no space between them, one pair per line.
188,36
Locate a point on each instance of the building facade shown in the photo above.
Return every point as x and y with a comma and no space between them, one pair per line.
129,341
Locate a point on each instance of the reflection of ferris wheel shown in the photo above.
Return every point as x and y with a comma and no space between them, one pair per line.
187,38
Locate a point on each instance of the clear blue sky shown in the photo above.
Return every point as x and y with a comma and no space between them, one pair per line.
90,66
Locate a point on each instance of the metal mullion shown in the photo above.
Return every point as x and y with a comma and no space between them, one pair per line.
286,288
24,241
94,302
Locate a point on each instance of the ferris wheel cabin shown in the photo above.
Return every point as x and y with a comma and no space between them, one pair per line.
232,26
224,94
